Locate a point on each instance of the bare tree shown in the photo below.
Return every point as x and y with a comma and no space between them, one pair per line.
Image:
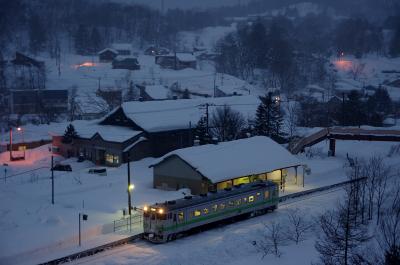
72,103
341,241
298,225
388,236
381,171
272,239
356,70
227,124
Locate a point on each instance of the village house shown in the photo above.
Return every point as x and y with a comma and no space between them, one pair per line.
161,127
123,49
177,61
220,166
107,55
125,62
153,92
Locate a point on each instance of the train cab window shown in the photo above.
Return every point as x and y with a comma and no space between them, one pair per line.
215,207
251,198
196,213
231,203
180,216
222,206
205,210
266,194
238,202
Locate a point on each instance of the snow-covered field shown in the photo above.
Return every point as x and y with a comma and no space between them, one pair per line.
29,223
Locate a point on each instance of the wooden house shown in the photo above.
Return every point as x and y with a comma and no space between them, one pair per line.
125,62
107,55
177,61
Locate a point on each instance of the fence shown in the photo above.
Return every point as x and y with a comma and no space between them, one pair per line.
128,223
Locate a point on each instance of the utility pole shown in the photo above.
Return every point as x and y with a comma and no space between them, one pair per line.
52,179
11,158
215,80
129,185
343,109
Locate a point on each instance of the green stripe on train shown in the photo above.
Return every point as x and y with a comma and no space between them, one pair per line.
225,212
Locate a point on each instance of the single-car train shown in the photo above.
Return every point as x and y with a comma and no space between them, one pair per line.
165,221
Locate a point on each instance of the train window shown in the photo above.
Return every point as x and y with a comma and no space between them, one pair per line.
205,210
244,200
251,198
174,217
180,216
238,202
266,194
231,203
258,193
196,213
222,206
215,207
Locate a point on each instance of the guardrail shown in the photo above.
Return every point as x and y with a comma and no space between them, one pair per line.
93,251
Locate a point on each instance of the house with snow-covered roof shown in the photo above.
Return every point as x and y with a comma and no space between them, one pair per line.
224,165
107,55
177,61
170,124
137,129
123,49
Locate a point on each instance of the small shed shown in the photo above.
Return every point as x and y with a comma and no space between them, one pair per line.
125,62
215,167
107,55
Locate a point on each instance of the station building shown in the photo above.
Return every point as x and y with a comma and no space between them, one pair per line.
220,166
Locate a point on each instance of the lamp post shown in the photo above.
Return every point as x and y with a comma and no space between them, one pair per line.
131,187
11,158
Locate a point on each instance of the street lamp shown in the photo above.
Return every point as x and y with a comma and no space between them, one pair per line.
131,187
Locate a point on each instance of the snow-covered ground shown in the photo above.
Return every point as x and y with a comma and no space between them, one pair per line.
372,70
29,223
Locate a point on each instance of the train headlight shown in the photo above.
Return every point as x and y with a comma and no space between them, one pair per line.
160,211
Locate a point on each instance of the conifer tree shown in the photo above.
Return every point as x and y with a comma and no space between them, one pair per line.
201,131
70,134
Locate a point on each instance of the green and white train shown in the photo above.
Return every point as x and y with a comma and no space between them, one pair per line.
165,221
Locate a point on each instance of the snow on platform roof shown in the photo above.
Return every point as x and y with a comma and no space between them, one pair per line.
229,160
185,57
169,115
157,91
87,129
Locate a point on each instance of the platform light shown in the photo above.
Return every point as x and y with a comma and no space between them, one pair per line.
160,211
19,129
145,208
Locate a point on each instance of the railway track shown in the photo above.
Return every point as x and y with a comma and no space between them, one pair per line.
283,200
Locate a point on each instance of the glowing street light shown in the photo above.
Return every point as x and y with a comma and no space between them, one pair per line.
131,187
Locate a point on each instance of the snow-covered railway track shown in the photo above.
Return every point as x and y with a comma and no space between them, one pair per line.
283,201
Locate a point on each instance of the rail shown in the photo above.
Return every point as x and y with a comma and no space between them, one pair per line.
93,251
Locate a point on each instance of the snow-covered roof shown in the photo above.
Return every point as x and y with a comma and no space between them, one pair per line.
168,115
87,129
124,57
122,46
185,57
107,49
157,91
228,160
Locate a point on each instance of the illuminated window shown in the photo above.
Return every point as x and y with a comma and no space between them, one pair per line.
266,194
215,207
258,194
205,210
238,202
112,159
244,200
231,204
251,198
242,180
196,213
222,206
180,216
